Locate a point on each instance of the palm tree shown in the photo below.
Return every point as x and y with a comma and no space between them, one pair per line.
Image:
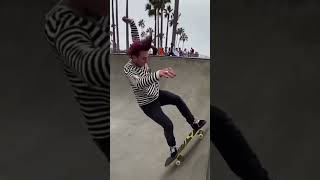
176,13
180,31
141,23
157,7
142,26
143,34
151,7
158,25
172,19
184,37
113,27
150,31
172,22
117,25
161,36
163,4
168,14
127,25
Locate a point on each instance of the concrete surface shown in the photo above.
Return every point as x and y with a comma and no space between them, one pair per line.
266,76
42,133
138,146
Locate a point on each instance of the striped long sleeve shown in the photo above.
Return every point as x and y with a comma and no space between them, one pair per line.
82,45
134,31
89,61
143,81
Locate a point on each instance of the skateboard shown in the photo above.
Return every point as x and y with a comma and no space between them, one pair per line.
179,157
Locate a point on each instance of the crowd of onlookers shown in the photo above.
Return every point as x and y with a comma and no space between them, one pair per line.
171,51
178,52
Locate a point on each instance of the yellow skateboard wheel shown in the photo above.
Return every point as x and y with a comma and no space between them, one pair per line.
178,163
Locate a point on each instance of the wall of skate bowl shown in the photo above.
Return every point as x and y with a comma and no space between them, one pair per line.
192,82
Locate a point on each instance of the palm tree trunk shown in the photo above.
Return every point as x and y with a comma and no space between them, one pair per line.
175,42
175,21
161,44
158,25
127,25
114,47
117,21
155,29
167,32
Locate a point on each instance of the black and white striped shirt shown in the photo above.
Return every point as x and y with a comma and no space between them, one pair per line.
82,45
134,31
144,83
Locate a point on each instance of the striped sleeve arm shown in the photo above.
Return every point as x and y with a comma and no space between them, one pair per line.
144,81
89,61
134,31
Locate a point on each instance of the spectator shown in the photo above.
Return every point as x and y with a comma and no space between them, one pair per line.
180,52
161,52
172,46
171,52
176,52
154,50
192,51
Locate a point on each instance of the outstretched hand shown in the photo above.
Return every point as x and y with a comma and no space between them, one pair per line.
126,19
167,73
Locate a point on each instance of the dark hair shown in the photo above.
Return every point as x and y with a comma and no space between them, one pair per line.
138,46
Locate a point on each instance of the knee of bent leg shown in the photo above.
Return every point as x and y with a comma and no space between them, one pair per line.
219,117
177,99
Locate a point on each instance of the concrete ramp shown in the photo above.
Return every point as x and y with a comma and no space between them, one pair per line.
138,146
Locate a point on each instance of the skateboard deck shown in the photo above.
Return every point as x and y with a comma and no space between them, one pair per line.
179,156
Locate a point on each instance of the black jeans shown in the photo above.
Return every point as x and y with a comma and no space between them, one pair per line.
234,148
154,111
104,146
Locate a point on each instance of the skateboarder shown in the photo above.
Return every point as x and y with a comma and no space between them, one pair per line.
145,85
234,148
78,31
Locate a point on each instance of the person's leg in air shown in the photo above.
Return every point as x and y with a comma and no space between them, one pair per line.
234,148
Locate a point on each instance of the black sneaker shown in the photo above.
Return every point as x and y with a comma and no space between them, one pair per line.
198,124
173,151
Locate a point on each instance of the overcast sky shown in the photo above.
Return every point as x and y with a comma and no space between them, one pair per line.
195,19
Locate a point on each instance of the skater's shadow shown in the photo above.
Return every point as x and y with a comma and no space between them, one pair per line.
187,154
